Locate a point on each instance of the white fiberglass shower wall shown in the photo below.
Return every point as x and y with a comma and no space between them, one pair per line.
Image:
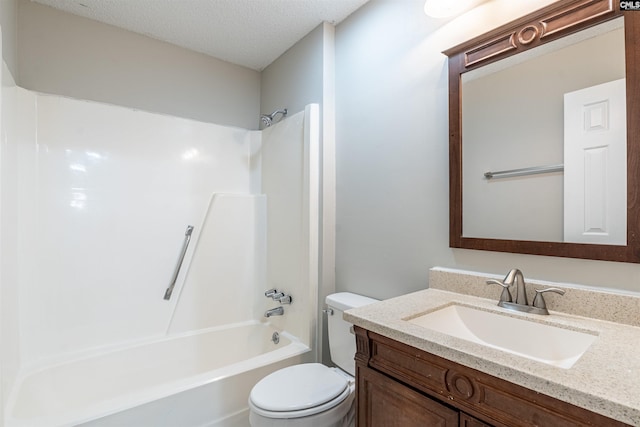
106,204
102,198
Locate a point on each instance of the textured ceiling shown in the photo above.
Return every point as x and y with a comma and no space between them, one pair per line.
252,33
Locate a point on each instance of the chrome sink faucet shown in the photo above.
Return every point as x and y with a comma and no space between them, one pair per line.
515,277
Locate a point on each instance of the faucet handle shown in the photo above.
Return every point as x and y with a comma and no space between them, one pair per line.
277,296
539,302
270,293
505,296
286,299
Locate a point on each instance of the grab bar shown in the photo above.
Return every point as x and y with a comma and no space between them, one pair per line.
524,171
185,245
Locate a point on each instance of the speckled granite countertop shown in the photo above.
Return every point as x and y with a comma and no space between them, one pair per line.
606,379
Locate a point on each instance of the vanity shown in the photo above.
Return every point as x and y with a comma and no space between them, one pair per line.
409,372
400,385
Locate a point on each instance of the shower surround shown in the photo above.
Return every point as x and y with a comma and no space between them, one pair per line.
96,202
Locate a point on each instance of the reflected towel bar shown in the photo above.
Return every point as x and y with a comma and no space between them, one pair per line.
185,245
524,171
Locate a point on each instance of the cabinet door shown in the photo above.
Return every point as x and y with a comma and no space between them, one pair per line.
469,421
383,402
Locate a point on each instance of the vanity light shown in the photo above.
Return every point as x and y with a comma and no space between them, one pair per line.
445,8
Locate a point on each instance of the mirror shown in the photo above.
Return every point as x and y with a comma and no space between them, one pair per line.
508,125
521,99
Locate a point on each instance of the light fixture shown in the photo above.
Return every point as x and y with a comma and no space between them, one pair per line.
445,8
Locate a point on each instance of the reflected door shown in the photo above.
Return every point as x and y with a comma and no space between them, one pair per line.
595,179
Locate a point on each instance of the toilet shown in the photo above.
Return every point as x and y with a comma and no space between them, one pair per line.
312,394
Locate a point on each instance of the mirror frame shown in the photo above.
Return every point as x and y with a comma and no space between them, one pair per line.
543,26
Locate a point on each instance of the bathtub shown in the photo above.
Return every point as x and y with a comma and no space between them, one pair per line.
196,379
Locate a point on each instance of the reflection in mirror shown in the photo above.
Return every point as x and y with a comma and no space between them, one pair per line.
559,104
536,214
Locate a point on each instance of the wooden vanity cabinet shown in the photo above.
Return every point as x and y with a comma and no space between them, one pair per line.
389,403
399,385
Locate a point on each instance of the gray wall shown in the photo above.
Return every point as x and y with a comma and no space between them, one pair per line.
9,25
392,155
391,127
294,79
68,55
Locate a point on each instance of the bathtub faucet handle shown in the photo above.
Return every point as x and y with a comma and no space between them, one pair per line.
286,299
275,295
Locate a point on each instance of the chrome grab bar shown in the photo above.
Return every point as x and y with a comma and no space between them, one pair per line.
524,171
185,245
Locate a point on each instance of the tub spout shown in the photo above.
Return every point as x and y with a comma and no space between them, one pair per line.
278,311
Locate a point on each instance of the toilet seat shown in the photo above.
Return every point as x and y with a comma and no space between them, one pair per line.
299,391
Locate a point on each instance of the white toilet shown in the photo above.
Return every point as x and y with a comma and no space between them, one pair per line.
312,394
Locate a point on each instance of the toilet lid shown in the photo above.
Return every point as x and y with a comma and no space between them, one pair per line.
298,387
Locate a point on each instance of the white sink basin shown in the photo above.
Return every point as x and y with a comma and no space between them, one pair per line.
538,341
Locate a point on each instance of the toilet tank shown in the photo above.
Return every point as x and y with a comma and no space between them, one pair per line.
342,341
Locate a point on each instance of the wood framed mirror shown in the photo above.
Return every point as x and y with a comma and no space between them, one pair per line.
554,24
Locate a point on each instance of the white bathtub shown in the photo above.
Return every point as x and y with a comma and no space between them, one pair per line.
199,379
